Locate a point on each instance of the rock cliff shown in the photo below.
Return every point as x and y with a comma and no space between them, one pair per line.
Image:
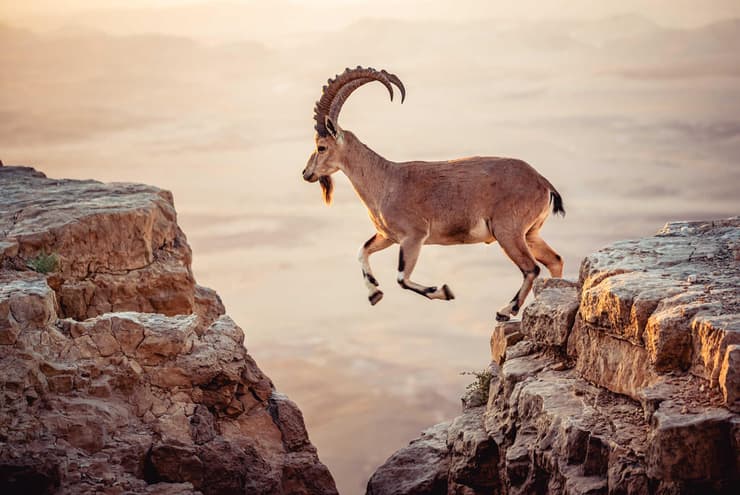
624,382
118,373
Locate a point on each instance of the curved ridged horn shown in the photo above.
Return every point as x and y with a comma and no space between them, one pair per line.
336,92
343,94
395,80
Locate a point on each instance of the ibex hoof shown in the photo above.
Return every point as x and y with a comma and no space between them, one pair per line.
375,297
501,317
448,293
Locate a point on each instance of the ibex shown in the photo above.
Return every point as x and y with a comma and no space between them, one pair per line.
463,201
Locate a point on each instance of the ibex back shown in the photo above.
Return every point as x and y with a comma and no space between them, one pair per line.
463,201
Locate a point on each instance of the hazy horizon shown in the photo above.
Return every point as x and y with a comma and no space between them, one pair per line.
631,110
677,13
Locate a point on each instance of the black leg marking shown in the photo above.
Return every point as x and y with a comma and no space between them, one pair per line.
448,293
424,292
401,262
501,317
516,297
536,271
370,278
515,300
375,297
369,241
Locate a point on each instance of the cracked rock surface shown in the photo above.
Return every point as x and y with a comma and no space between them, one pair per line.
120,375
118,246
624,382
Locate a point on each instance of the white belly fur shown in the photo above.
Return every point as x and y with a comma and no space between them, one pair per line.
480,232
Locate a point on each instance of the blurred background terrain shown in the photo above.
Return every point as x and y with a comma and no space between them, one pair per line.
632,110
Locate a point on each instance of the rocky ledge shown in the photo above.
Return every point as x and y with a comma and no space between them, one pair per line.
118,374
624,382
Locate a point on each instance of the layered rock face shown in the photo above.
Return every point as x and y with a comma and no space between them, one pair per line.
624,382
118,374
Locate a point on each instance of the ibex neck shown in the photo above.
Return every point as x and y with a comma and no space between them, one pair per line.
367,171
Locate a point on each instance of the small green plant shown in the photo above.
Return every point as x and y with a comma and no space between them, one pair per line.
44,263
481,383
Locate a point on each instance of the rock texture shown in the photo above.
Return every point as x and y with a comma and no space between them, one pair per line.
624,382
118,374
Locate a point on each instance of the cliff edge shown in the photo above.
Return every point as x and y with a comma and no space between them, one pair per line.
118,373
624,382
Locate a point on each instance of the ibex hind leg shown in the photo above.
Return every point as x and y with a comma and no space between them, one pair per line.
407,257
545,254
516,248
373,245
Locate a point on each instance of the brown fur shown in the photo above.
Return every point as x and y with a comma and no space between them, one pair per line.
468,200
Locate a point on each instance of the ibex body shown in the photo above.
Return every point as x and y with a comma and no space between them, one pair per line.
469,200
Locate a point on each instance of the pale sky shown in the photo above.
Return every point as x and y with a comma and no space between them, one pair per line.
668,12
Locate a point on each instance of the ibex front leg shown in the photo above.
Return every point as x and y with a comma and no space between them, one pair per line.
374,244
407,256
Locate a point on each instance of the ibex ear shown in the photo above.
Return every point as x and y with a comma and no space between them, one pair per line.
333,129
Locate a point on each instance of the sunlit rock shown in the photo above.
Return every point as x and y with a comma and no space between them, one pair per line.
505,335
549,318
117,246
729,378
117,373
644,398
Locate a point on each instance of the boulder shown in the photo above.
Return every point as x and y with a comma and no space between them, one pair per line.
473,453
420,468
686,445
729,378
623,383
505,335
117,373
550,317
26,302
117,247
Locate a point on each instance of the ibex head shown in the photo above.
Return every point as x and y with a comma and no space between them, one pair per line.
328,156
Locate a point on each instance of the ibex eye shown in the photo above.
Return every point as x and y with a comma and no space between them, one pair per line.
322,149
